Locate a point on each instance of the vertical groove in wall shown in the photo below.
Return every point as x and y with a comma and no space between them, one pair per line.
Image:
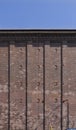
43,86
8,86
26,86
67,114
61,86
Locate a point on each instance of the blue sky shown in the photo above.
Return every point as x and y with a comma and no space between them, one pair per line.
37,14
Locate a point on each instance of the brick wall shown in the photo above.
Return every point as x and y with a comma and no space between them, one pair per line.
30,84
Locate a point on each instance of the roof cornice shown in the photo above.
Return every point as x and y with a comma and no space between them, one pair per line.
38,35
51,31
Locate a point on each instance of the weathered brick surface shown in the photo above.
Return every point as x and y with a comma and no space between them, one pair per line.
52,86
35,86
16,85
4,87
69,59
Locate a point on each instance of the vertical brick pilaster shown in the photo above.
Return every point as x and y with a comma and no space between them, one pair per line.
3,86
17,86
52,85
69,93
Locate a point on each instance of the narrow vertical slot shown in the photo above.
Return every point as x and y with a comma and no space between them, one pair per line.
8,86
61,86
26,85
43,86
67,114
